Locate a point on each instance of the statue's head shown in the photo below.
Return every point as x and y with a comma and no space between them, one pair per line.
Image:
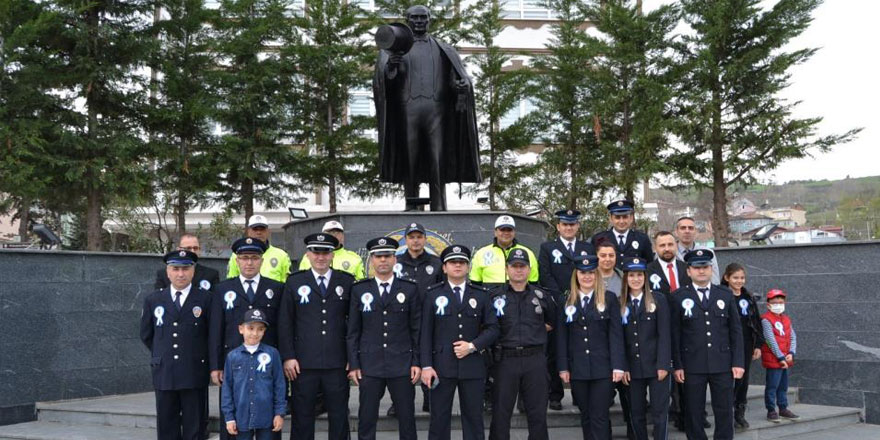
418,18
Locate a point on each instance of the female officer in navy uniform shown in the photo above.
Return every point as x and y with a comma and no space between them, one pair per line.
458,324
648,337
590,346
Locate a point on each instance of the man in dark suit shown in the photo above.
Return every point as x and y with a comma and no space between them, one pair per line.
174,327
629,242
707,347
666,274
235,296
312,329
204,277
555,265
458,324
383,341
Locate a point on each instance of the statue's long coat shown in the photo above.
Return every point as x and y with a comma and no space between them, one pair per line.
460,160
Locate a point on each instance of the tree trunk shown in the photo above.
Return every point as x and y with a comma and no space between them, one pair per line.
24,217
247,198
331,158
493,206
94,201
719,185
180,213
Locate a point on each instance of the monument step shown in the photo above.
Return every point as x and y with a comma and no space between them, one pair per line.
139,411
816,422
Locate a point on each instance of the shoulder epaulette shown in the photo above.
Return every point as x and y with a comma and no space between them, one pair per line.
476,287
363,281
434,286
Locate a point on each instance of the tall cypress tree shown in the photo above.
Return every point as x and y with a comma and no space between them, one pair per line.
630,83
334,60
733,120
498,90
256,83
179,125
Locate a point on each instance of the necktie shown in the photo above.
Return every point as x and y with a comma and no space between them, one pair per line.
584,301
251,295
571,249
636,306
458,296
620,241
704,292
177,303
671,273
322,286
384,291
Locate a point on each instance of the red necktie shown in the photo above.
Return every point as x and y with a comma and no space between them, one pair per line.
672,284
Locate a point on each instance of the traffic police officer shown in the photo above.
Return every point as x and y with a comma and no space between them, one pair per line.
248,290
489,262
276,262
525,315
630,242
555,265
707,347
205,277
343,259
312,329
458,324
174,327
648,338
383,341
425,269
590,341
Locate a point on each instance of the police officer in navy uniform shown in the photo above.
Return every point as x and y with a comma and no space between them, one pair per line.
423,268
233,297
204,277
555,266
629,242
525,315
458,324
174,327
383,341
648,340
707,347
311,336
591,352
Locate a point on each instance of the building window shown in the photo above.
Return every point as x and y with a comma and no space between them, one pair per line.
522,108
525,9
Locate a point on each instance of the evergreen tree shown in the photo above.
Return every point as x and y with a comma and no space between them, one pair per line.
336,59
499,90
179,122
629,81
733,67
255,82
572,167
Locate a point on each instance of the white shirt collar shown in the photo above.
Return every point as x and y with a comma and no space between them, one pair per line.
326,276
244,284
616,235
583,295
460,286
183,293
390,282
565,243
636,298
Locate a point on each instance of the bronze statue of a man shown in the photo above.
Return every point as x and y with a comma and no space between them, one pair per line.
425,110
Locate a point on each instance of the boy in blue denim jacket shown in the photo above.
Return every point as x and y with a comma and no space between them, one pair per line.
254,389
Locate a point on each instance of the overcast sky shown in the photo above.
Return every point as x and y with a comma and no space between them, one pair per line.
839,83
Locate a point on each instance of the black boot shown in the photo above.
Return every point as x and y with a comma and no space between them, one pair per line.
739,417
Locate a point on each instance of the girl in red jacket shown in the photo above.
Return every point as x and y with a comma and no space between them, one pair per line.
777,355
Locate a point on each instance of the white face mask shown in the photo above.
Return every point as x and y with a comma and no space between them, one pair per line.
777,308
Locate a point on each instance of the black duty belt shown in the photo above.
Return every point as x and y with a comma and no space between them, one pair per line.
522,351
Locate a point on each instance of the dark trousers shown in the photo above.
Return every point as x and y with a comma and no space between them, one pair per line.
424,139
256,434
470,400
557,392
741,386
402,396
225,435
676,403
776,390
593,398
721,389
638,398
528,375
623,393
333,384
179,414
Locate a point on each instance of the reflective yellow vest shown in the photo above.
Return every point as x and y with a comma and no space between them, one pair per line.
489,264
276,265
